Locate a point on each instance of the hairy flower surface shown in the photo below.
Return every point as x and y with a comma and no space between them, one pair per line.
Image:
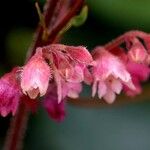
10,93
66,88
35,76
109,75
139,73
136,57
69,64
137,52
56,108
71,90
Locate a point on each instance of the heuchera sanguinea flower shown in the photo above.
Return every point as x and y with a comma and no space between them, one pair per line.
10,93
71,90
109,75
139,73
54,109
137,52
35,76
135,56
57,71
69,64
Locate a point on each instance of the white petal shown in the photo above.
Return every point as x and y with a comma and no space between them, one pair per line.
130,85
116,86
73,94
33,93
109,97
102,88
94,88
4,112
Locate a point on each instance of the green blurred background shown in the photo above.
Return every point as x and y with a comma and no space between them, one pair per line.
115,128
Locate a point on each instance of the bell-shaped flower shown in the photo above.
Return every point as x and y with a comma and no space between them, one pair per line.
10,93
35,75
71,90
69,65
76,53
69,60
80,54
137,52
74,74
54,109
52,104
66,88
139,73
109,75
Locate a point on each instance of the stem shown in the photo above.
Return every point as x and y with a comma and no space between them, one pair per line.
16,132
120,39
65,20
18,125
48,14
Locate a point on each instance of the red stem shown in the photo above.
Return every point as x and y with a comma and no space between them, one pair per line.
69,15
16,132
48,14
120,39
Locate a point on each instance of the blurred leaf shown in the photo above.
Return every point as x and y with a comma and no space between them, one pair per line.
122,13
77,20
17,43
81,18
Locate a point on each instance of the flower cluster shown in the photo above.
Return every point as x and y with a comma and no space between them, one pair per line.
57,71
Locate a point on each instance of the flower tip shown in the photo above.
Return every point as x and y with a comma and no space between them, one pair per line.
131,85
93,93
93,63
80,54
110,98
3,112
33,93
59,100
35,75
110,101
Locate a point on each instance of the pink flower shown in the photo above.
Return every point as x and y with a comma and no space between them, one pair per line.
137,52
75,74
109,75
71,90
69,65
139,73
35,76
54,109
80,54
10,93
78,73
65,88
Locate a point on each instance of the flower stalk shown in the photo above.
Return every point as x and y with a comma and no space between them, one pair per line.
120,65
18,125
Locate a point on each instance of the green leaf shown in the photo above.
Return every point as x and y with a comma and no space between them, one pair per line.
81,18
77,20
